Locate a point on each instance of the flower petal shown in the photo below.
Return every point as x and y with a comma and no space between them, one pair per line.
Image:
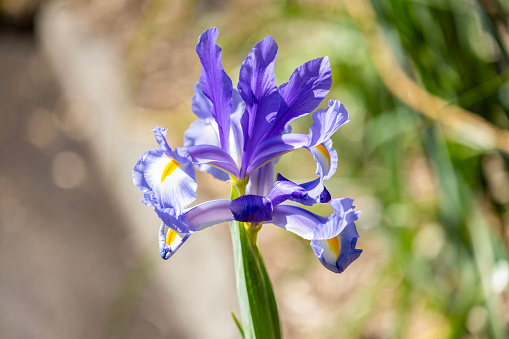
307,87
236,134
308,193
173,184
326,159
297,220
315,227
200,104
337,253
170,241
215,83
251,208
204,132
275,147
261,181
317,191
327,121
208,214
257,87
214,156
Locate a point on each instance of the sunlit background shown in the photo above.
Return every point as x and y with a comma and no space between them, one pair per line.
425,157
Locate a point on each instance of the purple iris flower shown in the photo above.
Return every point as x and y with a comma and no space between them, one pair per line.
239,136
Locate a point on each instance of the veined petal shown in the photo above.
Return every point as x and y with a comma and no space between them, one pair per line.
315,227
261,181
326,159
173,184
337,253
316,191
208,214
204,132
214,156
251,208
344,214
327,121
285,189
297,220
200,104
307,87
177,228
236,134
170,241
275,147
257,87
215,83
308,193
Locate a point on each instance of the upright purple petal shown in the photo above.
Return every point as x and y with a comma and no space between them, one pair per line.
215,83
307,87
257,87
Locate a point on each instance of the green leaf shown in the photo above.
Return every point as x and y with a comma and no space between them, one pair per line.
237,322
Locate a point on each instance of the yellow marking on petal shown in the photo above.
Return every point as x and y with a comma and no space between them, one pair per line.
334,245
169,168
170,237
324,152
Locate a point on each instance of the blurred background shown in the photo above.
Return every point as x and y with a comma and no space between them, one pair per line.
425,157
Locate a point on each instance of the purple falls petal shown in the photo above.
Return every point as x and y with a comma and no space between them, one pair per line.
307,87
251,208
338,262
297,220
315,227
257,87
208,214
166,250
215,83
344,214
174,189
326,159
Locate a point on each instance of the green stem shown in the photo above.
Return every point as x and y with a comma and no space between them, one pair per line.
258,308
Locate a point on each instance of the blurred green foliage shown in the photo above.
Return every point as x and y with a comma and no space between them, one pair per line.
444,202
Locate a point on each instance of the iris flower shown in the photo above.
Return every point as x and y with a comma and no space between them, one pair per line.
239,136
